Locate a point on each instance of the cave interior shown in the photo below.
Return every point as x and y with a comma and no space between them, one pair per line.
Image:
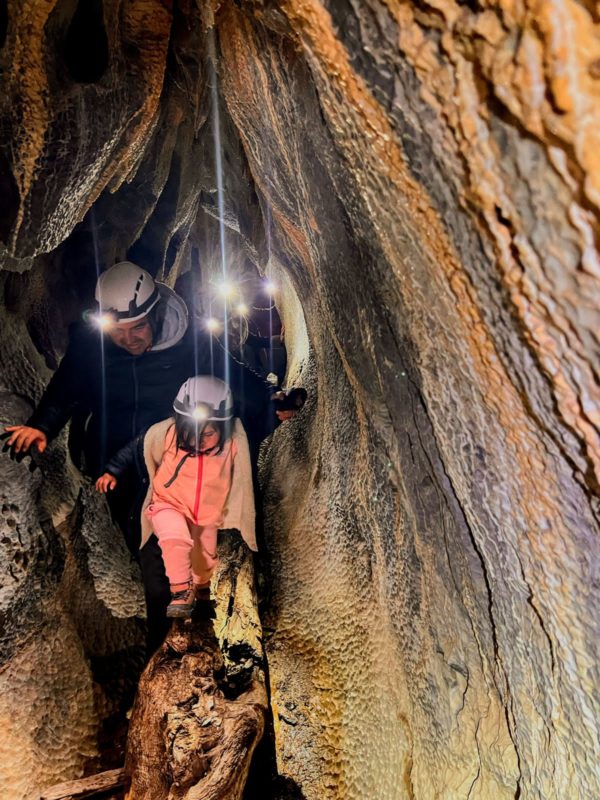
421,182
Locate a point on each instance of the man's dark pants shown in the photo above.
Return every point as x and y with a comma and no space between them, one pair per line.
156,585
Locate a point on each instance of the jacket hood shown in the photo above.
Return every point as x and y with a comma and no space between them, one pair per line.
175,322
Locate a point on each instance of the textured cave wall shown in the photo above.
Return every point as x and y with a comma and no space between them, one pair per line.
111,91
72,634
70,645
433,514
423,177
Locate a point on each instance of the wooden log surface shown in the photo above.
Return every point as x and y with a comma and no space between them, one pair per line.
85,787
201,704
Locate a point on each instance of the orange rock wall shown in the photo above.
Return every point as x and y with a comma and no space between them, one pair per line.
433,617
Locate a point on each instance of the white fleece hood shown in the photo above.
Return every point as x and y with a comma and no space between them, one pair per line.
175,320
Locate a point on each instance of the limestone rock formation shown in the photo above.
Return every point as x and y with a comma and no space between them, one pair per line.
69,660
201,705
422,178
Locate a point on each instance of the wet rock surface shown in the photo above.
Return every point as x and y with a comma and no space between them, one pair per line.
423,181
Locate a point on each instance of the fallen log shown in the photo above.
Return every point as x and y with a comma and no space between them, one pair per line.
201,704
86,787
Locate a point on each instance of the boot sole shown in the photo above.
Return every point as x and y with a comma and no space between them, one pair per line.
180,611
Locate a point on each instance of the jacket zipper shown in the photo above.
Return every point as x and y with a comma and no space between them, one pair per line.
198,486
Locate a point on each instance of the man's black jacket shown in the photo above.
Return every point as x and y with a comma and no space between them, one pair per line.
113,395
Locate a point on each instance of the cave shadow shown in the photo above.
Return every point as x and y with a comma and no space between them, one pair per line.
264,782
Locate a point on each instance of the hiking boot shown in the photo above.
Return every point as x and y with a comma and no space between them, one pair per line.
182,603
202,592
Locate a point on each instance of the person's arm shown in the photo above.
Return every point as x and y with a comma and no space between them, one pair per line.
124,458
253,340
55,408
21,438
288,403
118,465
64,392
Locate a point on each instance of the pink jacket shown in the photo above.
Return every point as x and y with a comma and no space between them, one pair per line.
202,485
238,510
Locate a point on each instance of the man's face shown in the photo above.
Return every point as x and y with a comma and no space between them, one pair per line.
135,337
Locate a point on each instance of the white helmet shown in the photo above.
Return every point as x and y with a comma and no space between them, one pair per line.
205,399
126,291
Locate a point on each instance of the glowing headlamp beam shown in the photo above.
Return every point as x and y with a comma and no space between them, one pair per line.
200,414
213,325
103,321
226,289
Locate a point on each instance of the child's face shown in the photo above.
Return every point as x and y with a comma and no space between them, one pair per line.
210,437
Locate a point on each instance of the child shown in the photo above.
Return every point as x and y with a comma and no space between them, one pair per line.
200,480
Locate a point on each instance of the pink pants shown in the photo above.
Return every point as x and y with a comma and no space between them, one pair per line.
188,550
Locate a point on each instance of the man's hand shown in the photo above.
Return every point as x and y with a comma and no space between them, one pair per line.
21,438
287,404
282,416
106,482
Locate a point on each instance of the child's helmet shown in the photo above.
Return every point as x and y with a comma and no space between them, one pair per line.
204,399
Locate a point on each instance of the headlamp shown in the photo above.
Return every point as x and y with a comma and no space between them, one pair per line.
212,325
226,289
104,321
100,320
270,287
201,413
242,309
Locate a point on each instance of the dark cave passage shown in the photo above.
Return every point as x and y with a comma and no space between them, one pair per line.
86,44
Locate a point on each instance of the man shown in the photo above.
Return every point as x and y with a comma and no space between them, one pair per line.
121,371
118,367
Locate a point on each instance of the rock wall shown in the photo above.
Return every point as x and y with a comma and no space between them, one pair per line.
70,645
425,178
434,620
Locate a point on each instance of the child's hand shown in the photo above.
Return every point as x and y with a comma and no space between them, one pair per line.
106,482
